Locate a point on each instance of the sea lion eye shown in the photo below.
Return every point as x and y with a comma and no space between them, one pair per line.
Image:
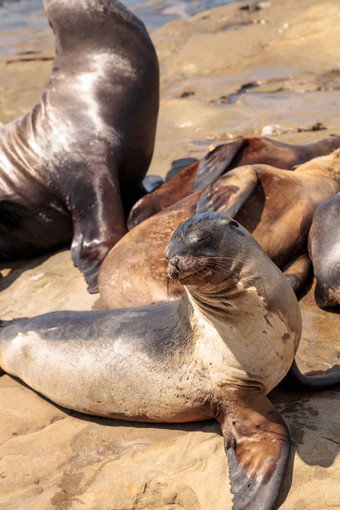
204,237
199,237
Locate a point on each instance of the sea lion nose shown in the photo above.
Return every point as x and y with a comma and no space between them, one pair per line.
173,268
174,262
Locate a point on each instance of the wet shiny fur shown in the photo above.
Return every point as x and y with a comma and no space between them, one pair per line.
71,168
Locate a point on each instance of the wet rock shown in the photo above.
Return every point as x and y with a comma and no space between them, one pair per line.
283,56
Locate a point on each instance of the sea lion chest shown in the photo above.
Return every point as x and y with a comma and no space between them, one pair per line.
249,342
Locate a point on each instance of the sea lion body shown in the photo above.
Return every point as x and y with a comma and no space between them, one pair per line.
216,353
275,205
174,359
324,251
283,200
222,159
73,166
176,371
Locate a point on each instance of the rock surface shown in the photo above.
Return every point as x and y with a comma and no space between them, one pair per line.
225,72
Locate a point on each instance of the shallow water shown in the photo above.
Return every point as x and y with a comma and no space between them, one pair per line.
18,16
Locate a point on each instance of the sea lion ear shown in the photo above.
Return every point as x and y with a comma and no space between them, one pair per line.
217,162
229,193
257,444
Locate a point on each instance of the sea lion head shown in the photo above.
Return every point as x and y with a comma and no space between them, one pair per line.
206,250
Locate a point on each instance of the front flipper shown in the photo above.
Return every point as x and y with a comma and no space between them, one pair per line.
229,193
98,224
257,444
311,381
217,162
297,272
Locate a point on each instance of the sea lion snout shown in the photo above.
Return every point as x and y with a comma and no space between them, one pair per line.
327,296
182,266
190,252
173,269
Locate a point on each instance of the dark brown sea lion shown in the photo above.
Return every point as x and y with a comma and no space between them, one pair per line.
216,353
275,205
324,251
243,151
72,168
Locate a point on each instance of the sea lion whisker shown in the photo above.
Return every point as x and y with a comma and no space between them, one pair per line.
168,288
221,258
230,271
174,289
200,272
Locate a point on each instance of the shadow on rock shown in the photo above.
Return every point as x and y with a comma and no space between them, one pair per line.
315,432
14,269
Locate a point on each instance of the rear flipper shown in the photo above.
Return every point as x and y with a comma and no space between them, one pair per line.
217,162
229,193
315,380
257,444
297,272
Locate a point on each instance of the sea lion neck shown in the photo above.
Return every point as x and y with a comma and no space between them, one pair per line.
220,301
222,304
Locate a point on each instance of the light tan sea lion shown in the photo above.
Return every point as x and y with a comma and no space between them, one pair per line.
225,157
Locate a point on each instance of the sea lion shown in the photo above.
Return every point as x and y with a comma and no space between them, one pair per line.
225,157
324,251
216,353
71,168
275,205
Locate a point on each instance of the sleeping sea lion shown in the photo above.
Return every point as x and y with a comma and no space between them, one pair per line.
275,205
71,168
216,353
243,151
